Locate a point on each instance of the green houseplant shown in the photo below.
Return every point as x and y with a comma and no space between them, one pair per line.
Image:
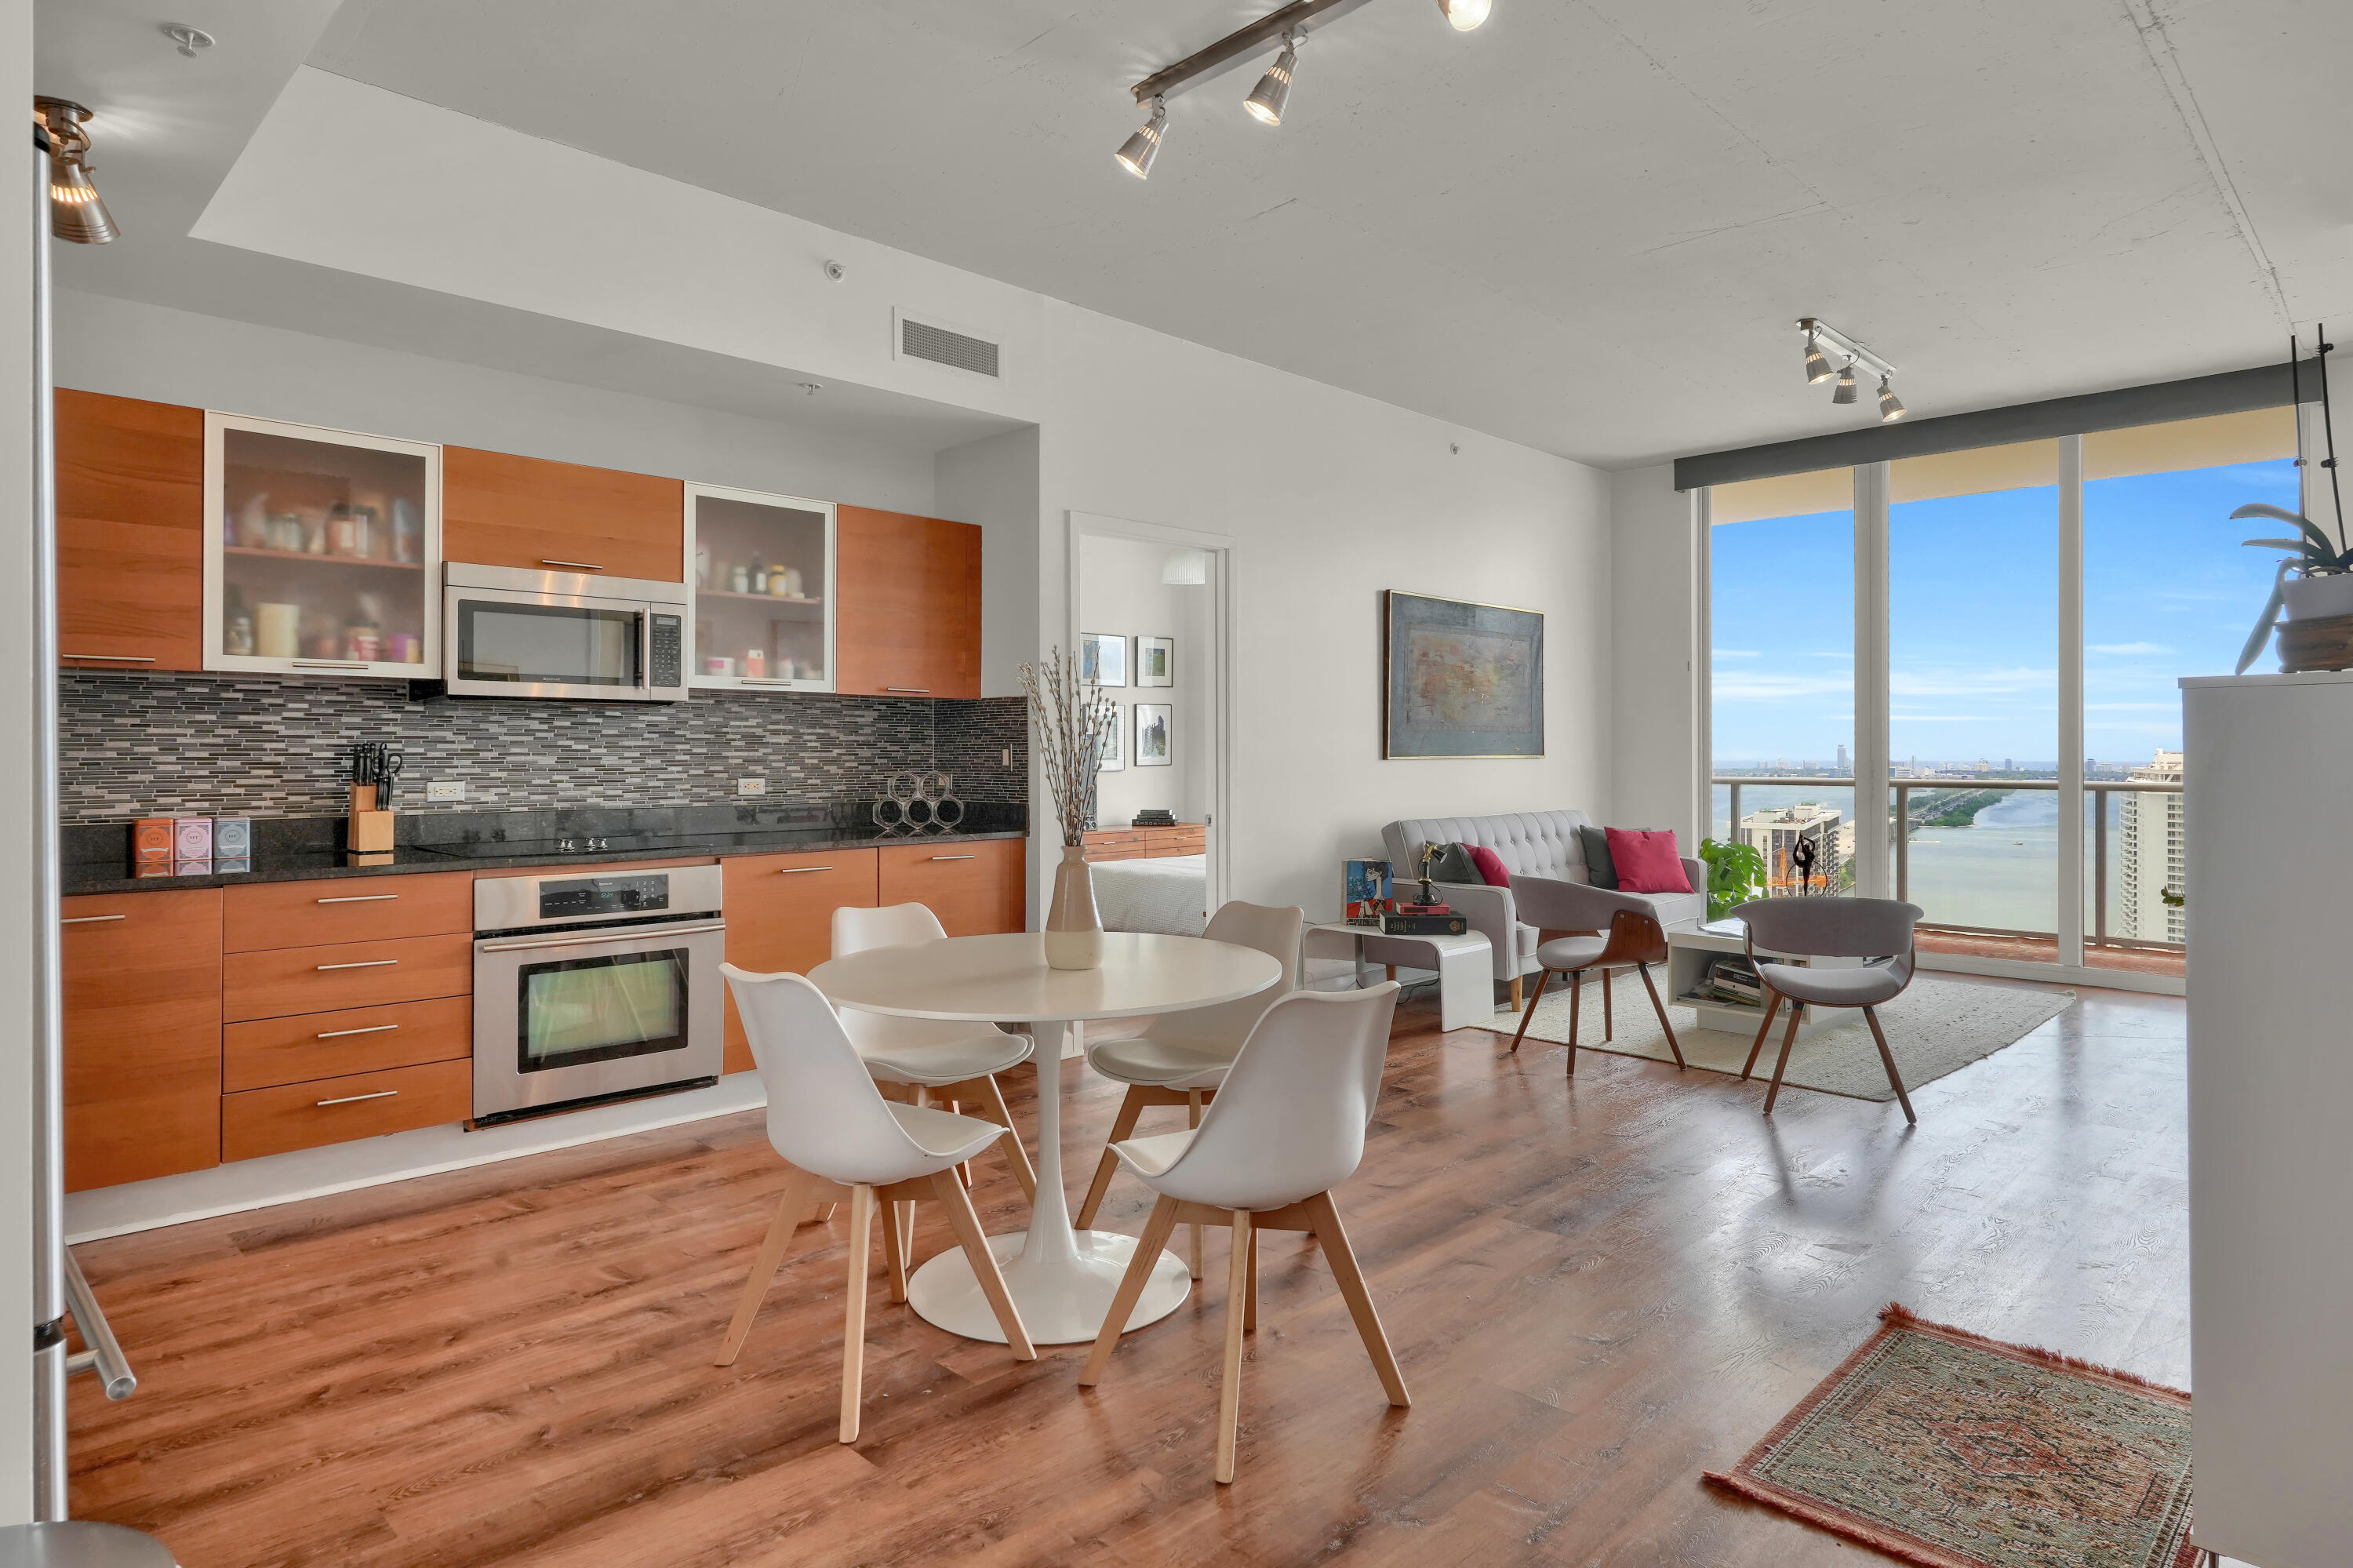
2316,579
1736,874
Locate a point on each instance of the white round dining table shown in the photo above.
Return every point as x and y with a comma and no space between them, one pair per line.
1062,1280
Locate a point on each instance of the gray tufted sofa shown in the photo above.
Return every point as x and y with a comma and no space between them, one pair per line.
1530,844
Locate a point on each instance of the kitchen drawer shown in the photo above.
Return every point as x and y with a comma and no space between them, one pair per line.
263,915
780,916
1182,843
336,1111
349,974
976,888
308,1045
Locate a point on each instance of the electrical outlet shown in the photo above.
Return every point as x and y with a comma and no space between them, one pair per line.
751,786
1008,757
445,789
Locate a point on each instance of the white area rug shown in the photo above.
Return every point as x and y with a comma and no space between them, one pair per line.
1936,1027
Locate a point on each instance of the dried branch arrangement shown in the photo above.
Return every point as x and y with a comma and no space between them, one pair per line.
1074,724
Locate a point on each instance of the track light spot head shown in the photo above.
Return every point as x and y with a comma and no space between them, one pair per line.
1845,392
1891,407
1137,153
1464,15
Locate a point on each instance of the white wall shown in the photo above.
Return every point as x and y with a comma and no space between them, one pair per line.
1657,649
994,484
136,350
1121,594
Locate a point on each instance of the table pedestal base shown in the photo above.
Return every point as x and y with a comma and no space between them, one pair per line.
1061,1303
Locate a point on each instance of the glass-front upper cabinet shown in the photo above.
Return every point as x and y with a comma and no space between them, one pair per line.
322,550
763,595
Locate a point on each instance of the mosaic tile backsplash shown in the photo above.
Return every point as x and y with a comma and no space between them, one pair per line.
135,745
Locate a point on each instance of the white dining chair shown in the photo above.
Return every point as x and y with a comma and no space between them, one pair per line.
845,1142
1182,1057
931,1060
1287,1127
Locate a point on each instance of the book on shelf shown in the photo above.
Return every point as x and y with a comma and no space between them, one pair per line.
1365,886
1399,907
1424,925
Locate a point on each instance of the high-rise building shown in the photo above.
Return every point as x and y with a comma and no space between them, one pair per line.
1844,766
2151,861
1775,831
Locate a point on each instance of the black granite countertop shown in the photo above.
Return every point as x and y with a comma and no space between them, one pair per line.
97,856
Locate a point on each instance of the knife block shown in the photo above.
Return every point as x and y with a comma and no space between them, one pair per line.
369,830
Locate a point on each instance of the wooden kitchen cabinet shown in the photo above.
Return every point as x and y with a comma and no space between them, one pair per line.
780,916
131,533
336,1111
976,889
143,1035
909,620
499,510
287,980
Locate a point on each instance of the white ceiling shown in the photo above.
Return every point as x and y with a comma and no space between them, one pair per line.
1585,227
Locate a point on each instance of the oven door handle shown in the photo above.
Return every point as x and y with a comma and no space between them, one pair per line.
587,939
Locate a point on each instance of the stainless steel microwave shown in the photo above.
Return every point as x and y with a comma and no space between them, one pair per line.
507,632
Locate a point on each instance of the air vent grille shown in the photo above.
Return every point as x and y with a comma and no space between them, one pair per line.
921,340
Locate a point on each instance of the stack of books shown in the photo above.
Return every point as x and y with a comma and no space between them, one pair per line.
1404,919
1734,981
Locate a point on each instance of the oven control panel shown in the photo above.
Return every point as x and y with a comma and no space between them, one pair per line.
668,655
579,895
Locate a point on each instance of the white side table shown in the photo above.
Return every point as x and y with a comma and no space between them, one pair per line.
1465,964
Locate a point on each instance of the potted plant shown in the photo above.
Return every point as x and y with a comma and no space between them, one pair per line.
1073,724
1736,874
2314,582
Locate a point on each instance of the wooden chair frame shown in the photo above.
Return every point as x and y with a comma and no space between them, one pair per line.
803,1190
1314,1215
1635,941
1789,1040
1141,1097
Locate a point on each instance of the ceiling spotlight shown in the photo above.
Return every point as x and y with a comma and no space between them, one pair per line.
1845,393
1273,89
1466,15
1818,368
76,211
1135,154
1891,407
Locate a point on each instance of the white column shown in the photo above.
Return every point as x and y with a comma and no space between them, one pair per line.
1874,865
2070,701
1702,654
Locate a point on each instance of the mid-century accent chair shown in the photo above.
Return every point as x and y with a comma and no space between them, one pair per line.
1879,930
955,1063
1287,1127
844,1141
1572,917
1182,1057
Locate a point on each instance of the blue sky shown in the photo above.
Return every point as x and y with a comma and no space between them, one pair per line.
1973,618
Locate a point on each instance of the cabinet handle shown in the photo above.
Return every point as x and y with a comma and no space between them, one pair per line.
371,1029
112,658
781,871
584,566
360,898
955,857
768,680
326,663
364,964
909,691
90,919
354,1099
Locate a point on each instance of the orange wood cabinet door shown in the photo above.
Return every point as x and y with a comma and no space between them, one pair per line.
976,889
292,1050
780,916
143,1035
907,616
336,1111
499,510
263,915
286,980
131,533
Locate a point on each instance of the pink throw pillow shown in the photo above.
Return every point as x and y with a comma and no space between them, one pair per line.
1646,862
1489,865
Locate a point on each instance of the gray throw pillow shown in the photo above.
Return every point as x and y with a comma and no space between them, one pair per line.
1452,862
1599,869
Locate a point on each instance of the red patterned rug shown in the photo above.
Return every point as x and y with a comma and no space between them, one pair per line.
1947,1450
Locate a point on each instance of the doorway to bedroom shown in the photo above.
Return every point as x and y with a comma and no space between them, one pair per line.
1149,607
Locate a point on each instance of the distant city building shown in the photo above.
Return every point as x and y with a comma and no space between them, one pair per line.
1775,831
2151,862
1843,767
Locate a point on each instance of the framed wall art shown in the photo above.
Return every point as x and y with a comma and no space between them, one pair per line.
1460,679
1152,722
1103,658
1114,748
1156,660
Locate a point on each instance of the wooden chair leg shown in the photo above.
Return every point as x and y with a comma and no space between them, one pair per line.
964,1167
894,1249
1542,977
1156,1227
1351,1279
1388,971
1608,1019
1576,998
1788,1039
1193,1119
1515,994
853,1321
1661,1009
1887,1058
1229,1388
1772,1006
921,1096
1250,1303
825,1212
1122,1125
1017,1153
966,1224
764,1267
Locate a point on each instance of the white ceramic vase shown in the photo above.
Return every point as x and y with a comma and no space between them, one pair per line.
1073,925
2318,599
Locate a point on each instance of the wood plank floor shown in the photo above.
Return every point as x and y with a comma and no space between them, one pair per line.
1596,1291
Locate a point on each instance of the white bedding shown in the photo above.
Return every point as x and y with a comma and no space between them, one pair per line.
1166,895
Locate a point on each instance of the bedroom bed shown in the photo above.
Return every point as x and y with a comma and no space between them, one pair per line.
1168,894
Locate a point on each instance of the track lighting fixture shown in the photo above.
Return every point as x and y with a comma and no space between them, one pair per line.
1823,340
76,211
1818,366
1845,390
1135,154
1464,15
1273,89
1891,407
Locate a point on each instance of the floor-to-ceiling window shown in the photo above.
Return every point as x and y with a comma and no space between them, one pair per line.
1781,687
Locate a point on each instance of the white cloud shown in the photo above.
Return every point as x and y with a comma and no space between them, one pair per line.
1734,653
2126,648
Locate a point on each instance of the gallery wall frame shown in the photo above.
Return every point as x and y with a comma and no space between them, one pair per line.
1154,724
1459,679
1156,660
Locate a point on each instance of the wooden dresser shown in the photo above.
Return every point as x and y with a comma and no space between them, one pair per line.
1147,843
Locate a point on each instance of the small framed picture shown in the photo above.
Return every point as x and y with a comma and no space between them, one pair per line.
1152,733
1114,748
1103,658
1156,660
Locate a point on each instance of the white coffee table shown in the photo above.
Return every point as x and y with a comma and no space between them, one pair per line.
1691,951
1465,964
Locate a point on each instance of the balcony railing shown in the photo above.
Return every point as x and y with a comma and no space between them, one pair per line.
2099,789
